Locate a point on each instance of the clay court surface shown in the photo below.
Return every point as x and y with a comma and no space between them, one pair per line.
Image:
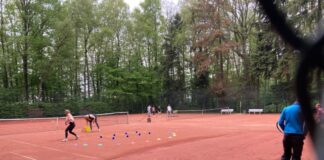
184,137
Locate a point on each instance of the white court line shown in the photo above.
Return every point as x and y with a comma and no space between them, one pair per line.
54,149
20,155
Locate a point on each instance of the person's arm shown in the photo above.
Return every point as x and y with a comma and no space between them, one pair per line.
86,119
66,119
282,119
96,121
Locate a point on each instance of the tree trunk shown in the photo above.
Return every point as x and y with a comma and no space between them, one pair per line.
118,50
42,91
26,24
76,69
86,73
155,42
5,71
96,78
25,71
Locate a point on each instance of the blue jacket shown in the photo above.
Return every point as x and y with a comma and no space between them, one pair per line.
291,120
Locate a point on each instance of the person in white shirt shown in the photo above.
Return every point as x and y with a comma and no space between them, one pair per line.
169,110
149,113
149,110
69,120
90,118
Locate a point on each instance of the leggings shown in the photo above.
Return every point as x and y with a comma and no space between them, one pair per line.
69,129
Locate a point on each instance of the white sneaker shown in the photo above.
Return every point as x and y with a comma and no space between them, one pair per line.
64,140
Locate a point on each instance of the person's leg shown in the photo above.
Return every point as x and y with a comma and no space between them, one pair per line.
71,127
96,121
91,124
66,132
298,143
287,148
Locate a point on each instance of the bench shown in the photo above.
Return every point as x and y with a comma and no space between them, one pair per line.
255,111
229,111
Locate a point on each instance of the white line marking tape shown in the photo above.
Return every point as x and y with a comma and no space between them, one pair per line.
54,149
20,155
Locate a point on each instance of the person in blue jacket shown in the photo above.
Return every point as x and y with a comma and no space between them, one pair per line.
293,124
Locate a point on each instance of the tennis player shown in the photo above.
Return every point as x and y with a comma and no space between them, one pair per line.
293,124
69,120
149,113
169,110
149,110
90,118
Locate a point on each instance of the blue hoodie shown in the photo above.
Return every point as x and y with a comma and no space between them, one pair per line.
291,120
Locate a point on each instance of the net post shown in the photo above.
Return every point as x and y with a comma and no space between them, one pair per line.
57,123
127,118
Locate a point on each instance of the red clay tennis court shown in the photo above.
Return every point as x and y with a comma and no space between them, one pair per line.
186,136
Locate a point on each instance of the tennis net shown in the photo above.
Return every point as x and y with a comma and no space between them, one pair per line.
200,111
196,113
32,125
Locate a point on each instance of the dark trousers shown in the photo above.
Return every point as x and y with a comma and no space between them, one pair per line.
293,146
69,129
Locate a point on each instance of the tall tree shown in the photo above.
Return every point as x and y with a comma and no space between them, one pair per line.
211,44
173,69
83,16
3,46
25,8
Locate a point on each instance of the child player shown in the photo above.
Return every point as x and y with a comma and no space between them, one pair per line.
90,118
69,120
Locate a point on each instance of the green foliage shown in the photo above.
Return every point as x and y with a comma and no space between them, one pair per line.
13,110
41,109
100,56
